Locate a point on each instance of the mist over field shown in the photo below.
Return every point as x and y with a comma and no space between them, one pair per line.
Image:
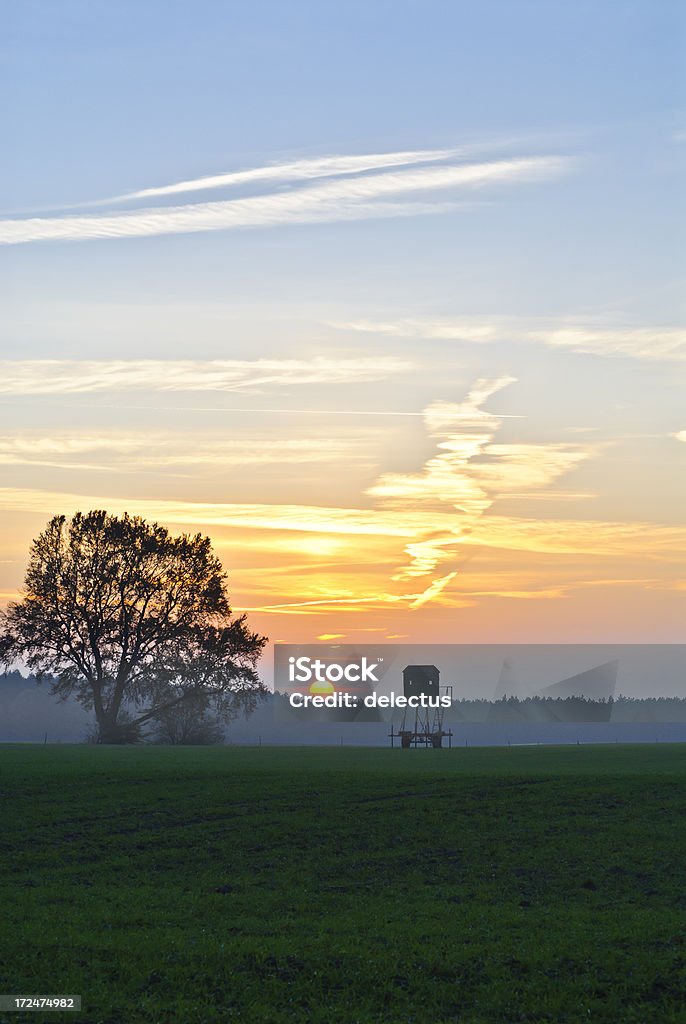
28,713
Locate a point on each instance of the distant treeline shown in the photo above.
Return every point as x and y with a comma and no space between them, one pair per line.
29,712
572,709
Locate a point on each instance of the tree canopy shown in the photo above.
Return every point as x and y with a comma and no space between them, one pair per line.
132,622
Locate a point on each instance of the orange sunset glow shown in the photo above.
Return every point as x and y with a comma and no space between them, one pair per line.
470,536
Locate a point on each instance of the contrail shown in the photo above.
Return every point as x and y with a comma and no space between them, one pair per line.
377,195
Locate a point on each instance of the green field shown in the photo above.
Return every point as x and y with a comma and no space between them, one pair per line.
345,885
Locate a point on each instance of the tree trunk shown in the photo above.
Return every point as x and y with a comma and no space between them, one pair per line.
112,731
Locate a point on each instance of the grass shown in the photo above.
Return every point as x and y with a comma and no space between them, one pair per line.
345,885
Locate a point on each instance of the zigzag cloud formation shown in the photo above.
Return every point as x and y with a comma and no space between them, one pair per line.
336,188
455,477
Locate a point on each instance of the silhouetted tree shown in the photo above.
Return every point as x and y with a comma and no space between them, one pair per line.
131,621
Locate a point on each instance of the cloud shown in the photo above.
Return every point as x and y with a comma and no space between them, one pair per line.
637,343
433,590
295,170
454,329
681,436
368,195
575,537
371,600
257,516
52,376
569,536
468,472
309,168
131,452
649,343
462,431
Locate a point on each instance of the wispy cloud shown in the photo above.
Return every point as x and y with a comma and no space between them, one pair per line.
294,170
337,165
52,376
372,599
445,329
649,343
128,453
569,536
381,194
638,343
574,537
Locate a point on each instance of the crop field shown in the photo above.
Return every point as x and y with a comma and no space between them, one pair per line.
199,885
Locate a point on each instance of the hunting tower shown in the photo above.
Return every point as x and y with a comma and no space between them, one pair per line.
423,726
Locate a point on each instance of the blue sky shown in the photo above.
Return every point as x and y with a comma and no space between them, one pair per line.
109,94
106,98
515,216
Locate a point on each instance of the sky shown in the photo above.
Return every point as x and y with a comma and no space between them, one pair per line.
385,297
